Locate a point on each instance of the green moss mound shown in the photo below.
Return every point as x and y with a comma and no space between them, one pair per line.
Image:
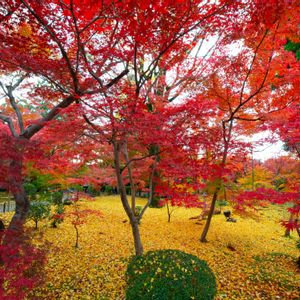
169,275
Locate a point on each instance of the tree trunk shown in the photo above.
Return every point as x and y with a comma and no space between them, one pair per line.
131,180
16,187
209,216
169,212
287,232
130,213
137,237
226,138
77,237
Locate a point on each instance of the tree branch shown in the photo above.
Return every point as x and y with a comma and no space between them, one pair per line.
34,128
10,124
150,188
139,158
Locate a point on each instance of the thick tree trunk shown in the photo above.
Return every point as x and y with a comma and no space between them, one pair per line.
18,191
209,216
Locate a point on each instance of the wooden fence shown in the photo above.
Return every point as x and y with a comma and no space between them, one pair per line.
7,204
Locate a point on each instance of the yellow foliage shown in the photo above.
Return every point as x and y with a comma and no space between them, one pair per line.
251,259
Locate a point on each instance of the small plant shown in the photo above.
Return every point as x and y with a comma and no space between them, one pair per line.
169,274
138,210
38,211
79,216
58,216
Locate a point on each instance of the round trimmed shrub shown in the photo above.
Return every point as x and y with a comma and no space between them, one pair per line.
169,275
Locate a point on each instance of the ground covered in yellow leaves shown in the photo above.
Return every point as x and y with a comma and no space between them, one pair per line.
251,259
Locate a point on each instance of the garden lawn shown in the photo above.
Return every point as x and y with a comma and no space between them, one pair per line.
251,259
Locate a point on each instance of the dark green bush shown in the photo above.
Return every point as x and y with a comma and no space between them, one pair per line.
108,189
169,275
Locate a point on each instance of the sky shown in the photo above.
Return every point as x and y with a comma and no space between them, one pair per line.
266,150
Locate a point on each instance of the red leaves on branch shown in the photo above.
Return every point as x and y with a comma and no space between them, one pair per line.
263,196
269,195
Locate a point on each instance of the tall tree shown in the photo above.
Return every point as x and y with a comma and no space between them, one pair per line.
243,86
57,44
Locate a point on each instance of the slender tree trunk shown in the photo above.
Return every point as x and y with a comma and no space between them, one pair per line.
133,219
169,212
77,237
252,170
153,198
287,232
209,216
226,139
136,237
225,193
131,180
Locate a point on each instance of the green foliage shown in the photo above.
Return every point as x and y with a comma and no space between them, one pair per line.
57,197
138,210
169,274
128,190
222,203
108,189
39,180
30,189
298,244
293,47
279,183
93,191
155,202
38,211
